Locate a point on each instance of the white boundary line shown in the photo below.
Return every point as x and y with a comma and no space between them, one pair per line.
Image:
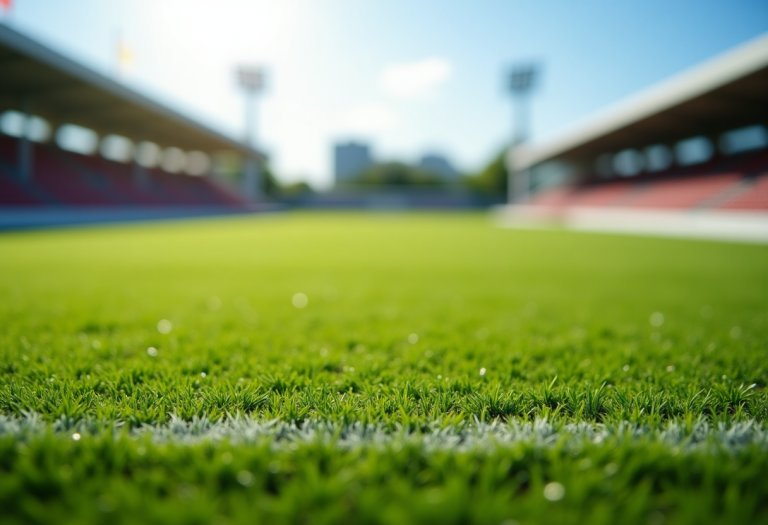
699,435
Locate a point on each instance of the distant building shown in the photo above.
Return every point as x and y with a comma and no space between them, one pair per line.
440,166
350,160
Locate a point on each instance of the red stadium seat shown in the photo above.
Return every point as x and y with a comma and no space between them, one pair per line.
717,184
682,193
66,178
754,198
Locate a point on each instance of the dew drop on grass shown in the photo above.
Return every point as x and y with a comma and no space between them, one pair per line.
671,368
76,436
214,303
152,351
245,478
434,496
657,319
611,469
554,491
106,504
482,371
164,326
186,491
299,300
330,293
65,471
202,374
626,368
413,339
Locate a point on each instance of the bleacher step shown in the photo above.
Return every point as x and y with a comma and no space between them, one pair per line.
727,195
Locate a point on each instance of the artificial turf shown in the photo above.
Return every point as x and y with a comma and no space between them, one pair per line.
441,370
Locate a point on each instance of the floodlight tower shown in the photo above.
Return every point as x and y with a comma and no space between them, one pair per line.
522,80
251,79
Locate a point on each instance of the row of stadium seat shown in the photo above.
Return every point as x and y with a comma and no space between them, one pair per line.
71,179
739,183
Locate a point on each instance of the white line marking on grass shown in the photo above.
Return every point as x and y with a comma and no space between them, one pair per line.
683,436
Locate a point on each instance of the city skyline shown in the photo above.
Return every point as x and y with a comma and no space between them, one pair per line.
352,158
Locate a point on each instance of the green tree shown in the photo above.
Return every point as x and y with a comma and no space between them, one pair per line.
295,189
491,179
270,184
396,174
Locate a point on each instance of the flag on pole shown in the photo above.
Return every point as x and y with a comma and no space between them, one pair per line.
125,56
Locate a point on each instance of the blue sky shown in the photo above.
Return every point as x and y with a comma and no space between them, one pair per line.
410,77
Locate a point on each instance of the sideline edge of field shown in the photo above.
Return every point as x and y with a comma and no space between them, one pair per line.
741,227
691,436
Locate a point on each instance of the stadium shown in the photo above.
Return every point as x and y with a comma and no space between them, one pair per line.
180,346
695,143
62,113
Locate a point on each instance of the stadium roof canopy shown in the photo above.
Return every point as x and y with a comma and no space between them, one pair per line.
64,91
724,93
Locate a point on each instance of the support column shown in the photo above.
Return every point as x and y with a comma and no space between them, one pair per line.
521,186
251,179
522,80
25,145
140,175
518,181
510,176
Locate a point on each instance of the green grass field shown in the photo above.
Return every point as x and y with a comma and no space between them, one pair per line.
435,370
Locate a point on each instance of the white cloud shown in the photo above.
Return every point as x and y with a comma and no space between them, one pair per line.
369,118
416,79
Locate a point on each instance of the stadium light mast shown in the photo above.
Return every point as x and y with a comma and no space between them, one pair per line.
522,80
251,79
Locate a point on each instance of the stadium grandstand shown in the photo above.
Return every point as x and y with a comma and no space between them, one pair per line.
77,146
688,156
